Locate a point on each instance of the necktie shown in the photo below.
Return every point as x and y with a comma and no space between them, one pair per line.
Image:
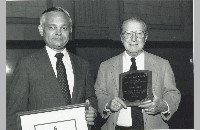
136,112
62,78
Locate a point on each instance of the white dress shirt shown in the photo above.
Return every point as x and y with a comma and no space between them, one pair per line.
68,66
124,118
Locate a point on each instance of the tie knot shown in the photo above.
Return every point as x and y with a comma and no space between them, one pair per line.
133,66
133,59
59,55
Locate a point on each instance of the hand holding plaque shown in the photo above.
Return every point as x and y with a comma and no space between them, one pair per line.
135,87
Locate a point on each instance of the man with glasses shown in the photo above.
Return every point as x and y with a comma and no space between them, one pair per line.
166,97
51,77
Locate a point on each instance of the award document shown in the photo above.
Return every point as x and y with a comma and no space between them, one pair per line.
70,117
135,87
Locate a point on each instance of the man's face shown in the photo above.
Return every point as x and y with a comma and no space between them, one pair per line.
133,42
56,30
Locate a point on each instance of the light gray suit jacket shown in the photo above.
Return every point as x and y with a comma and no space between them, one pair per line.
163,84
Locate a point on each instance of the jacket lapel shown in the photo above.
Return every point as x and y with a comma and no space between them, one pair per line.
47,69
47,76
117,69
150,64
75,67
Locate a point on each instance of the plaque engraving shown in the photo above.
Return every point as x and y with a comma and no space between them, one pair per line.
135,87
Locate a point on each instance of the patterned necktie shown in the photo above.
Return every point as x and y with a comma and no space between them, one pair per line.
62,78
136,112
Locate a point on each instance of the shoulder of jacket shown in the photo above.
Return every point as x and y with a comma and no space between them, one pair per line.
155,57
111,60
77,58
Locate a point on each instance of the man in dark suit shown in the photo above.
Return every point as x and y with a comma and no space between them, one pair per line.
35,82
154,114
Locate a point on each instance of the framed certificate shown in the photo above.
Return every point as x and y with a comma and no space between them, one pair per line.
135,87
70,117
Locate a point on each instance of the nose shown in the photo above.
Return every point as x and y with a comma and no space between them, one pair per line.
133,37
58,32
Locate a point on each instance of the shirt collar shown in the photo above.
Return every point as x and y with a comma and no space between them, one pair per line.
52,52
128,57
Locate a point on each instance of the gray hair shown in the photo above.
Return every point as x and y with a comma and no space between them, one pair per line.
138,20
55,9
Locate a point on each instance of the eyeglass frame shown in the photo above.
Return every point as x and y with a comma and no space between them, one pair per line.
136,34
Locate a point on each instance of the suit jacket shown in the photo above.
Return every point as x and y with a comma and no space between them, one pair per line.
163,86
35,86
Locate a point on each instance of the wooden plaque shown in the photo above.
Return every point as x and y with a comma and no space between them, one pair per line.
135,87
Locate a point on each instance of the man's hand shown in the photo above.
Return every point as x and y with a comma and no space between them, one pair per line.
90,113
116,104
157,106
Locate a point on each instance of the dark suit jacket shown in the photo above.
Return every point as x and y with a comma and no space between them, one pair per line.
35,86
163,84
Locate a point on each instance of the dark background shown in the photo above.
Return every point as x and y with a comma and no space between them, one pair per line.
179,54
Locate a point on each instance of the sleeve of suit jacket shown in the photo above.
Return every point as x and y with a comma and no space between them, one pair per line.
170,94
90,92
18,95
101,92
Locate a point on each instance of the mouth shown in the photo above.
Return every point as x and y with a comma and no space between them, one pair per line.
133,44
57,39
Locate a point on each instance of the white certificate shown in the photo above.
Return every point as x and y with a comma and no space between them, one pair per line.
70,117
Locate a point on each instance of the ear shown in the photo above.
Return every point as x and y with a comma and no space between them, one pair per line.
71,30
40,28
121,37
146,38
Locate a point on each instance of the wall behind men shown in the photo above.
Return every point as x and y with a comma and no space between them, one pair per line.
101,19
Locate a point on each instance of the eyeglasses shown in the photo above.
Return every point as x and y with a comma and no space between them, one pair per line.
138,34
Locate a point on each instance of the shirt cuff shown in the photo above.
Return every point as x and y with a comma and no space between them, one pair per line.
106,111
165,113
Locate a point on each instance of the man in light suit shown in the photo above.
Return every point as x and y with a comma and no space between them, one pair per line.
35,85
166,99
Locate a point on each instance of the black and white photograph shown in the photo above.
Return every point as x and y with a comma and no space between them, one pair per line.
62,53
